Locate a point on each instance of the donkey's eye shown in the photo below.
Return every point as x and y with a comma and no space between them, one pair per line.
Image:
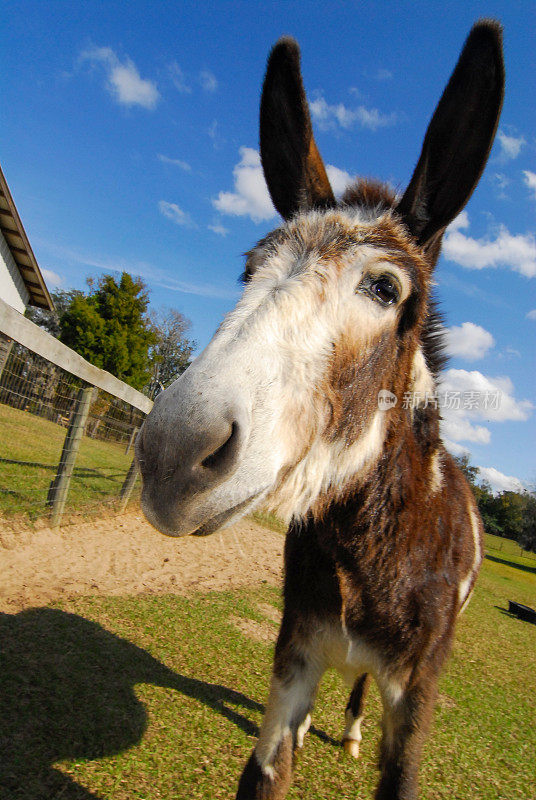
383,288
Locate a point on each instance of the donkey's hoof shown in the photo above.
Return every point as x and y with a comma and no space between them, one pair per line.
351,746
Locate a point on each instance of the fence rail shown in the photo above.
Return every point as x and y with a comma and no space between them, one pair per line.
67,428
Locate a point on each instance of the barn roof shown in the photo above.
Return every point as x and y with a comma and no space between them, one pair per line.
19,245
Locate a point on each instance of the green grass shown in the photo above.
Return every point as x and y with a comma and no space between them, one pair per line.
131,698
30,449
508,551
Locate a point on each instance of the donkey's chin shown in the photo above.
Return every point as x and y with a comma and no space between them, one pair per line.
177,523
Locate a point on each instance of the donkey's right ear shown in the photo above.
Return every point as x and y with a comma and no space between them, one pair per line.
459,136
294,171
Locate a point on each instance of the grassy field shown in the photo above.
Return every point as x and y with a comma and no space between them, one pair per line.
30,449
131,698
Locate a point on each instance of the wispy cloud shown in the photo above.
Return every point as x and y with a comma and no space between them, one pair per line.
208,80
329,117
175,213
510,145
149,272
178,79
175,161
500,183
517,252
532,314
218,229
468,341
500,482
530,181
124,82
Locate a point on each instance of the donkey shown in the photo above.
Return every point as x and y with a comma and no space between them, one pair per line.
384,541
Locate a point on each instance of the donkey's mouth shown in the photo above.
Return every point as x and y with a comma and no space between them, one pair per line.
220,519
177,525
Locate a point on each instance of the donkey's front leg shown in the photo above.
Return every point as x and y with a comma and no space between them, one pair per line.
295,678
354,715
406,720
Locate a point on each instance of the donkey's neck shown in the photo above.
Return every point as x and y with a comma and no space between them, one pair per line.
407,471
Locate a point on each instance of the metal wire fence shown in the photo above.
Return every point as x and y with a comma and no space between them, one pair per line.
66,446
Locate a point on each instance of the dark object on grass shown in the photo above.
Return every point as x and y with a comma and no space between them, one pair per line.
526,613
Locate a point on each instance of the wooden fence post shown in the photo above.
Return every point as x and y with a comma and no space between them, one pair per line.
128,485
59,488
131,440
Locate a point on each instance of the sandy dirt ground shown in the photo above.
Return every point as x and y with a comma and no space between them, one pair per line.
125,555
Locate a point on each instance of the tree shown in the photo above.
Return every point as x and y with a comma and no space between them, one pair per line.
110,328
527,538
50,320
171,353
470,472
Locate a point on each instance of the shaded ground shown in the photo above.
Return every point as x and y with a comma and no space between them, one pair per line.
125,555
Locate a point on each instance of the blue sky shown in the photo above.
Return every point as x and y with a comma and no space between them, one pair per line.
129,140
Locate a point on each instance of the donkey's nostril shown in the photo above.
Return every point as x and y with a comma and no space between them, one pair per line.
222,458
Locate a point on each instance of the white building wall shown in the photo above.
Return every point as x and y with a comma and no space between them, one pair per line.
12,288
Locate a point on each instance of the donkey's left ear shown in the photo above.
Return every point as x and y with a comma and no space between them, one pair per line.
459,137
293,168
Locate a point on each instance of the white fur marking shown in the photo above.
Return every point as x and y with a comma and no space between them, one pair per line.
352,729
422,381
436,475
302,730
463,590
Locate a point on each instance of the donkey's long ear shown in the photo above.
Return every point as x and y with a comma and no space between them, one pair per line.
459,137
292,165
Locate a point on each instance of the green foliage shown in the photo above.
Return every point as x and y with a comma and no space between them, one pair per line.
109,327
509,514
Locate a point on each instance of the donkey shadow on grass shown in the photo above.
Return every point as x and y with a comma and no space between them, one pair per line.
67,693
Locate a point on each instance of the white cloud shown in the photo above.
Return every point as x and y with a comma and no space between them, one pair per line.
510,145
339,179
530,181
52,279
494,402
500,482
178,78
532,314
250,197
175,161
208,81
455,448
508,250
330,116
219,229
175,213
468,341
123,79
